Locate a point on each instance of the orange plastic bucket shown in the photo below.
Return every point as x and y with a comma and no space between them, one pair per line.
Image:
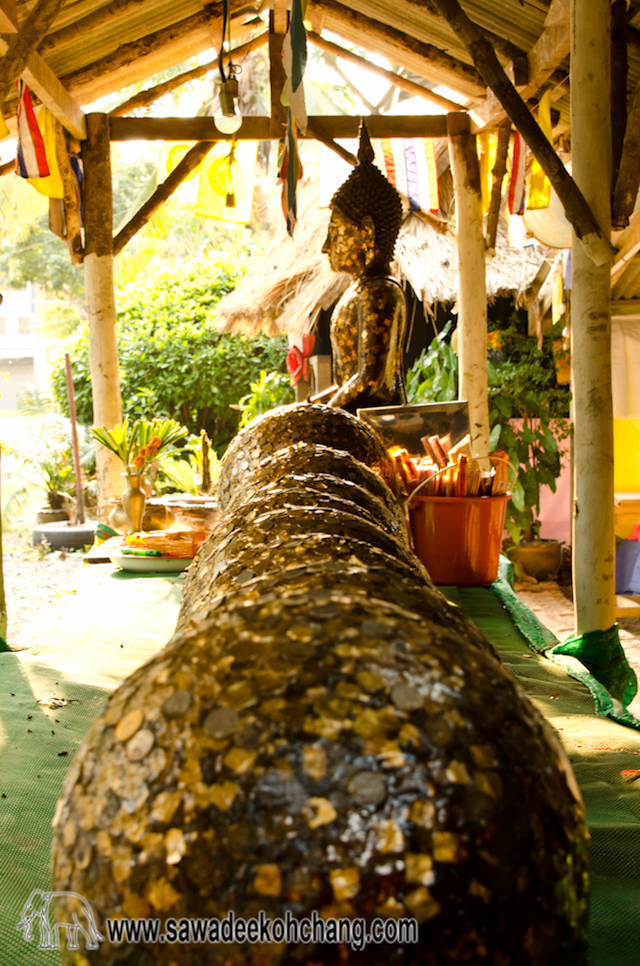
458,539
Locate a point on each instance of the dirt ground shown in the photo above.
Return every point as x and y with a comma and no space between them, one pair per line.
33,580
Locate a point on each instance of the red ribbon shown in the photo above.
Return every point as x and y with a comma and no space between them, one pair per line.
298,361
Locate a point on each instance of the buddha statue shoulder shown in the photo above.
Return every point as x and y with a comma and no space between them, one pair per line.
368,323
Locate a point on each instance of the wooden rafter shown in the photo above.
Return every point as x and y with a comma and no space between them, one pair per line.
426,59
86,25
260,129
141,58
397,79
46,86
628,179
8,17
543,59
576,209
144,98
24,41
182,170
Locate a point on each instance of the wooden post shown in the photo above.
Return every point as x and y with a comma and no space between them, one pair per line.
101,307
498,173
593,525
77,469
472,293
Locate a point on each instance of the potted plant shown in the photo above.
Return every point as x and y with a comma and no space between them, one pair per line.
138,445
528,418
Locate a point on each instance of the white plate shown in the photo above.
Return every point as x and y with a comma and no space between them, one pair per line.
150,565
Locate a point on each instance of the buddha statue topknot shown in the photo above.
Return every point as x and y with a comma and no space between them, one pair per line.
368,323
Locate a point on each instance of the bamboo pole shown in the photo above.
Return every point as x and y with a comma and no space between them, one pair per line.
71,400
593,525
472,293
101,308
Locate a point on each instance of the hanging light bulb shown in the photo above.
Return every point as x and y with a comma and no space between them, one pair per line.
229,120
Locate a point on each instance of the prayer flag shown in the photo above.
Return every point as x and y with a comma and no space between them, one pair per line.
516,183
294,57
31,160
50,186
186,194
410,166
539,185
290,174
226,174
488,146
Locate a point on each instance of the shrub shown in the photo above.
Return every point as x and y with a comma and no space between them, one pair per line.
271,390
173,363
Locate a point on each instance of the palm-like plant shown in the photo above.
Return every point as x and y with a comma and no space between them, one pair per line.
138,444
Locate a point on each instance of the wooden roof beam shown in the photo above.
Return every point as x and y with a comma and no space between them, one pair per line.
107,14
182,170
152,94
426,59
40,78
8,17
576,209
402,82
25,40
548,52
259,128
141,58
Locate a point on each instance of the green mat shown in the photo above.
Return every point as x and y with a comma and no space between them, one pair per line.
599,749
94,638
90,641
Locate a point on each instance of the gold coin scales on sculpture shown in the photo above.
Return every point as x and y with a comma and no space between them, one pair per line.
368,323
324,734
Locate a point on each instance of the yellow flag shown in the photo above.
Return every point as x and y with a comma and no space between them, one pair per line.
224,179
186,194
52,186
557,298
539,186
4,130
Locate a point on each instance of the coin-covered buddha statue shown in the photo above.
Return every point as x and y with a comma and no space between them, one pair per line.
368,323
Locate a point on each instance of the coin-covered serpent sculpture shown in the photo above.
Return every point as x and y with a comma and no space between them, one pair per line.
324,732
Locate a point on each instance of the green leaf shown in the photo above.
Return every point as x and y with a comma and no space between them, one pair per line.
517,497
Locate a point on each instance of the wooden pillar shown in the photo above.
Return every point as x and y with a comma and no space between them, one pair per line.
101,306
472,293
593,524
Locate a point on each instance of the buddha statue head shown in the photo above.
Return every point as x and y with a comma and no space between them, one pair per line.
366,213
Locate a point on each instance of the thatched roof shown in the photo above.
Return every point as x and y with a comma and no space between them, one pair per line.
428,260
288,285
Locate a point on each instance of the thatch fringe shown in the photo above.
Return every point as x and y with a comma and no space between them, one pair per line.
291,281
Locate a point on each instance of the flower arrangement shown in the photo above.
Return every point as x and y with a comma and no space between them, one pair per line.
139,443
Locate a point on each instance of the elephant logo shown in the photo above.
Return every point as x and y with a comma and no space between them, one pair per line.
37,913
